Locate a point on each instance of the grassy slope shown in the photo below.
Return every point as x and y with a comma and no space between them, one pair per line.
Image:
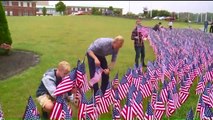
66,38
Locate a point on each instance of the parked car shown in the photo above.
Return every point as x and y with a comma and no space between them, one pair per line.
162,18
78,13
155,18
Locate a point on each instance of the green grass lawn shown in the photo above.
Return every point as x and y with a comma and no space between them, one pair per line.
57,38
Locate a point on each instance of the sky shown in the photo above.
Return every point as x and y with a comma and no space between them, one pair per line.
137,6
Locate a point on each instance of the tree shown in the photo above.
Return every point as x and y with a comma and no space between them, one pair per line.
60,7
164,13
5,37
95,11
44,11
117,12
111,8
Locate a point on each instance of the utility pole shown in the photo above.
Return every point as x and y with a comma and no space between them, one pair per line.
201,18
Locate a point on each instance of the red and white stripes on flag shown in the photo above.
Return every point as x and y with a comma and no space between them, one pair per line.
65,86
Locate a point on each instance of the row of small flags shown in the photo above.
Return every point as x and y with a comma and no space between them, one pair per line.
180,58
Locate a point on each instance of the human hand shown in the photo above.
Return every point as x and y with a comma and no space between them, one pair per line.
106,71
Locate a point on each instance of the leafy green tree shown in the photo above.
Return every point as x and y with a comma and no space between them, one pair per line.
164,13
111,8
95,11
117,12
5,37
44,11
60,7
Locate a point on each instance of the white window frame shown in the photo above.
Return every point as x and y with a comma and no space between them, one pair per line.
86,9
10,3
30,4
25,4
11,13
19,3
5,12
76,9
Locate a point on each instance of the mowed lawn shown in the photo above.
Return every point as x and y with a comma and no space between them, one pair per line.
57,38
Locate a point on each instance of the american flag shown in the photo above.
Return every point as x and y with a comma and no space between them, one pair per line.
100,102
66,111
91,109
199,104
80,75
135,78
190,115
202,108
66,84
97,76
83,107
211,98
153,97
1,114
205,97
170,108
164,93
31,111
149,112
115,82
127,111
208,115
145,88
137,106
201,85
123,88
56,112
128,75
159,108
184,93
175,97
107,95
116,106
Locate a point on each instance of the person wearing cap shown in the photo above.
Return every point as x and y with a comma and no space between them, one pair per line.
138,44
96,54
157,27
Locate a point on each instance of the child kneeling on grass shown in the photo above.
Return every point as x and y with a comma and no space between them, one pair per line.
52,78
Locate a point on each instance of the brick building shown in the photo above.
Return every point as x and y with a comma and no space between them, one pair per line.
19,8
88,10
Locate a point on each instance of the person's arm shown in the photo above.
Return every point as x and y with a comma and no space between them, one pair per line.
49,84
113,60
134,35
91,54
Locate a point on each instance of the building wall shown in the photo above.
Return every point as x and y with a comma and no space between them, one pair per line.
73,9
19,8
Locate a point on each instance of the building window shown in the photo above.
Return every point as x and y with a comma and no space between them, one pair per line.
25,13
4,3
5,12
79,8
71,9
10,3
24,4
76,9
11,13
90,9
86,9
30,4
19,4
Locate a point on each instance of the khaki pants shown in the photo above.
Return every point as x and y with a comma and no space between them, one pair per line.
43,100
